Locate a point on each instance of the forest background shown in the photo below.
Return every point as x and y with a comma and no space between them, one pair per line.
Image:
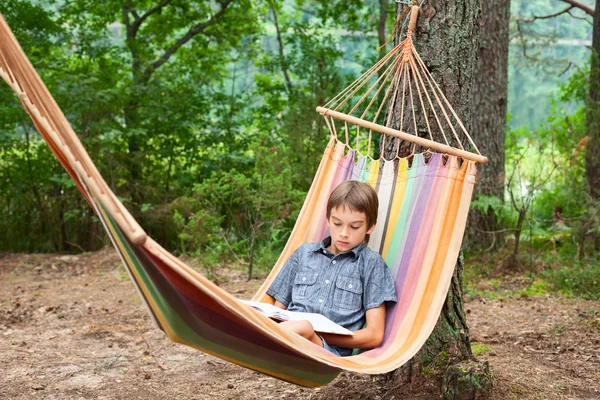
209,135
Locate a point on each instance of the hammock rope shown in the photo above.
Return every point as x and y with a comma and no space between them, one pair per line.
403,67
423,208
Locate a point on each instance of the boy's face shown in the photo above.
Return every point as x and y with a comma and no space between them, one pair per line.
348,229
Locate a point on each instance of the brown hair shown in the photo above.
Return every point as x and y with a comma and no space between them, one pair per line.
357,196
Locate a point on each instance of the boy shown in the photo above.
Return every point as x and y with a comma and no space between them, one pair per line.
340,277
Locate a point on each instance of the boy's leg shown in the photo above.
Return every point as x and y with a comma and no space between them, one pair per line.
304,329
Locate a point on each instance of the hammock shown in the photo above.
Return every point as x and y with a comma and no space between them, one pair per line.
424,201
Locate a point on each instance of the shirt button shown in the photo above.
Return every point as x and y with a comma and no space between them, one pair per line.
320,300
333,262
327,281
303,279
350,286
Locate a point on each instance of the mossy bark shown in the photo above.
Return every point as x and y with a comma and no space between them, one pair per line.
467,380
447,38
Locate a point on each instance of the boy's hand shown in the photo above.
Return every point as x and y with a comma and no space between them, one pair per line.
366,338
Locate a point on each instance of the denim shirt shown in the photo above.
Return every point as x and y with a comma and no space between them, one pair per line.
341,287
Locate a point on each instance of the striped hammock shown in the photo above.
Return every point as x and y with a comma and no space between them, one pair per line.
422,216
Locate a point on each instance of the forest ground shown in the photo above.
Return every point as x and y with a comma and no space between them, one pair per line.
73,327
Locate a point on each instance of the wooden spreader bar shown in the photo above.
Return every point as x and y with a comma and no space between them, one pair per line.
426,143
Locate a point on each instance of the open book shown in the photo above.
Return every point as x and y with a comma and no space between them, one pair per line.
319,322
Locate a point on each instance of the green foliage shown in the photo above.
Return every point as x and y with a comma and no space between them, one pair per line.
161,107
547,208
579,281
505,214
243,216
486,203
542,55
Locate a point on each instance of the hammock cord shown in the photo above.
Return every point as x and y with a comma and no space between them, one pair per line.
402,67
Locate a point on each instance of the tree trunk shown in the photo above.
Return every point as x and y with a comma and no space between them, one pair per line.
447,38
592,154
490,91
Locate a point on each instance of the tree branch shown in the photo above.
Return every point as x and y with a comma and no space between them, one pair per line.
224,237
588,10
536,17
193,31
156,8
582,18
136,61
522,39
281,54
573,4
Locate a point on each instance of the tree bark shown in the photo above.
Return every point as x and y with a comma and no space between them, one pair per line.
490,92
447,39
592,154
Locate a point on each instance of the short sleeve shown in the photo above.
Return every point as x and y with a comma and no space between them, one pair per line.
281,288
379,285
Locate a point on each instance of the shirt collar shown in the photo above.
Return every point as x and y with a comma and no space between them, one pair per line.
325,243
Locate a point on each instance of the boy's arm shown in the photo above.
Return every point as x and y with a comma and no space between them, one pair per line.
280,305
281,287
366,338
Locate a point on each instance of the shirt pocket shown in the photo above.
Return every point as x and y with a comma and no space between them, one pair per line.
348,293
304,284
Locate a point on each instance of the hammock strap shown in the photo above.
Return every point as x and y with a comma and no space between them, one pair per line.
400,18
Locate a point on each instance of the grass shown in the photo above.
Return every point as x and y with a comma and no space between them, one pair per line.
558,329
480,348
552,273
519,286
575,281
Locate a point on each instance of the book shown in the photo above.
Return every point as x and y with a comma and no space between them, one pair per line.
319,322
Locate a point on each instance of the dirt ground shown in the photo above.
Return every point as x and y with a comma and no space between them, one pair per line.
73,327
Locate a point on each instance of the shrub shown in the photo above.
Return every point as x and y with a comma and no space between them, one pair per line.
243,217
575,281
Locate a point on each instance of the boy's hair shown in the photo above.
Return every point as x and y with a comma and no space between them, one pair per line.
357,196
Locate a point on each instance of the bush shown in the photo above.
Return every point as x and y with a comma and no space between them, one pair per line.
576,281
242,217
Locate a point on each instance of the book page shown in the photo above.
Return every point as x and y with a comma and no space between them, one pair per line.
319,322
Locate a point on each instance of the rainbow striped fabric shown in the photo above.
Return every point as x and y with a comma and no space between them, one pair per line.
423,211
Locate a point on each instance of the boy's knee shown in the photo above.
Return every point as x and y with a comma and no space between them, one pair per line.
306,328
